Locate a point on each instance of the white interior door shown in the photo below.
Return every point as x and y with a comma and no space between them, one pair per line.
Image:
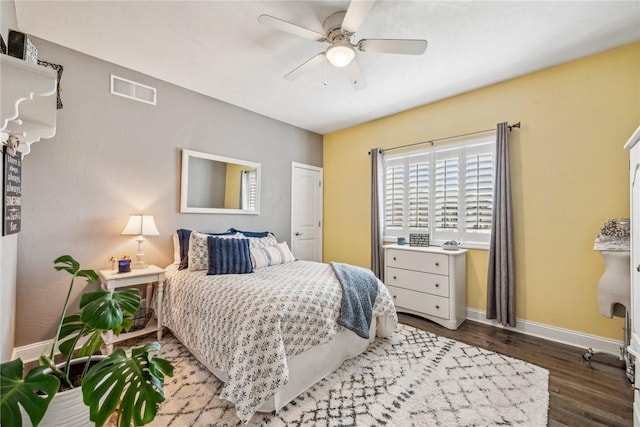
306,212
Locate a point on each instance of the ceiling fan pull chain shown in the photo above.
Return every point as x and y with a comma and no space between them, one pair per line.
325,84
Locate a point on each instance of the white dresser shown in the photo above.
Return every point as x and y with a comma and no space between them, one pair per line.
429,282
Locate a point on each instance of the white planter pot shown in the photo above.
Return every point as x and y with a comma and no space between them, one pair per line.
67,408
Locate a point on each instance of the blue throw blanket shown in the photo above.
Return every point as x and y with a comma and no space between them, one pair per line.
359,293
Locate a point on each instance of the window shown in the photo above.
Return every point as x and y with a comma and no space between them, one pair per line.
444,191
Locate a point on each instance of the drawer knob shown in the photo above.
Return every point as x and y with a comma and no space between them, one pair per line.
437,307
394,297
437,264
394,258
394,277
437,285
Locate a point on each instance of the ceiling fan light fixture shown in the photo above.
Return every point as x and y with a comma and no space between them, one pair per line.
340,55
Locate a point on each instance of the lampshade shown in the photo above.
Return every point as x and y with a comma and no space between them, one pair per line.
340,54
141,225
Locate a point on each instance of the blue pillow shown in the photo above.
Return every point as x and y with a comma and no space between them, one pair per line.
229,256
249,233
183,240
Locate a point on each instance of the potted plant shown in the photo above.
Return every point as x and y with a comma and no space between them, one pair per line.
131,384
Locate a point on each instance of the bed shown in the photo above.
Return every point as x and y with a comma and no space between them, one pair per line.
268,335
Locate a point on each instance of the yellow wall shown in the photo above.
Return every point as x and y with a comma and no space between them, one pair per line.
569,174
232,186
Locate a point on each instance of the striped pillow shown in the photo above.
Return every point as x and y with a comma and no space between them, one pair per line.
271,255
228,256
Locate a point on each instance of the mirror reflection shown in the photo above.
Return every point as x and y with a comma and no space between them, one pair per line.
216,184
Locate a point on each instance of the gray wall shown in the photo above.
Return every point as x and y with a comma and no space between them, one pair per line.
112,156
8,244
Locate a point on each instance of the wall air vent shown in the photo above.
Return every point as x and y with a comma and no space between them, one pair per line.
133,90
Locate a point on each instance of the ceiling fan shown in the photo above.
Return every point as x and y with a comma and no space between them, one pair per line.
339,32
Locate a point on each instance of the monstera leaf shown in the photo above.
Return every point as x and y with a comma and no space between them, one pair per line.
133,384
70,265
106,309
34,393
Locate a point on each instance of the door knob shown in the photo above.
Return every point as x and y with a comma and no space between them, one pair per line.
298,233
638,268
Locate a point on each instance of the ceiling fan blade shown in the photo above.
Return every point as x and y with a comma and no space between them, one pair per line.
400,46
288,27
355,75
356,13
304,67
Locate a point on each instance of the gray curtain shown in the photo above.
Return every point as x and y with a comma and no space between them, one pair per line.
501,282
377,213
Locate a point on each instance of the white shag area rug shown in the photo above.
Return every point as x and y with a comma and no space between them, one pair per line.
413,378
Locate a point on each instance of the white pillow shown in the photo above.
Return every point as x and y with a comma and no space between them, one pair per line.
261,242
176,249
199,251
271,255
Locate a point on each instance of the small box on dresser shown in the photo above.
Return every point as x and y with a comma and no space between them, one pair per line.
429,282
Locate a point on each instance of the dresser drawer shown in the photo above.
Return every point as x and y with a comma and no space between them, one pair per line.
420,261
424,303
418,281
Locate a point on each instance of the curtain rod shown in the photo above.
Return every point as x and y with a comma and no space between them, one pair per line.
432,141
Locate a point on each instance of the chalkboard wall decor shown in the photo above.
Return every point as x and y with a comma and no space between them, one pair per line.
11,192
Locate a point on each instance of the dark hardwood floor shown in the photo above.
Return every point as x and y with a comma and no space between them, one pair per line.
580,394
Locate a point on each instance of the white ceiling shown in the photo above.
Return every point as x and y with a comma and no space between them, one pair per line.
219,49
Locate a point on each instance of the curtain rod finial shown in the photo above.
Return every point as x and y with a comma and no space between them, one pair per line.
516,125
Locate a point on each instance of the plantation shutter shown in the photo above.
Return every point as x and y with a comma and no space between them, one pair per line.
252,184
446,191
248,189
394,194
419,174
479,187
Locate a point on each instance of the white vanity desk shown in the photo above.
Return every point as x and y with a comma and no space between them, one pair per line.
429,282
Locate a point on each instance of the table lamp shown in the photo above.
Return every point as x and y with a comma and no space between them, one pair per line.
140,225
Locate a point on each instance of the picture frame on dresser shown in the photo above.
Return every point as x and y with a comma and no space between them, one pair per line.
429,282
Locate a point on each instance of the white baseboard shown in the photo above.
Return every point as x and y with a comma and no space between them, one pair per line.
553,333
32,352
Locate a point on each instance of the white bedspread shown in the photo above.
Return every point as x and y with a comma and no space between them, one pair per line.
247,324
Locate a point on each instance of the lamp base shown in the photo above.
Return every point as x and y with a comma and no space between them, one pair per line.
139,264
139,255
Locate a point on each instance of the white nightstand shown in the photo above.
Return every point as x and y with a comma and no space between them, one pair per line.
151,275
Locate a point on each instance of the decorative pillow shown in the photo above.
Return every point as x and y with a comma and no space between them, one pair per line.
176,249
183,239
228,256
271,255
249,233
262,242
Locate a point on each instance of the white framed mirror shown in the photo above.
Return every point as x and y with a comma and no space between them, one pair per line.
217,184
